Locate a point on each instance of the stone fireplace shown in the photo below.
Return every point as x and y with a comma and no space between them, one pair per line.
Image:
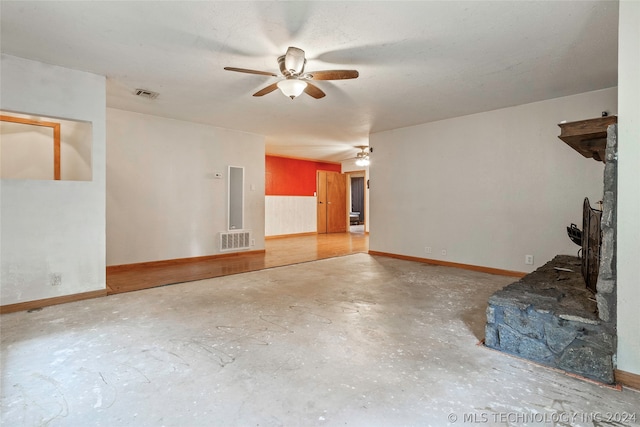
551,316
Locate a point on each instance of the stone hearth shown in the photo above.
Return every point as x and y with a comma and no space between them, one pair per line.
550,317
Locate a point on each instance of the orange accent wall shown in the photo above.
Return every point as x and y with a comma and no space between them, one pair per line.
293,177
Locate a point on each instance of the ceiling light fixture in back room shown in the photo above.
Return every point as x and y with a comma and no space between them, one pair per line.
362,158
363,161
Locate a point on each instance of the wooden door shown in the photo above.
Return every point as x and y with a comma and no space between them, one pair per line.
336,203
321,183
332,202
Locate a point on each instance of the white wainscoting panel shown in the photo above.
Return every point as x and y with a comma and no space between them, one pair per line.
290,215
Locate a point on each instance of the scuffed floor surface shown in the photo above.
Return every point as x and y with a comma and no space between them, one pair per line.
356,340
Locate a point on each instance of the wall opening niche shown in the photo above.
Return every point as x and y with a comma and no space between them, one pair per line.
35,147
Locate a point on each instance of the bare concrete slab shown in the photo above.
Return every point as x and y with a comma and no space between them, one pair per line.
355,340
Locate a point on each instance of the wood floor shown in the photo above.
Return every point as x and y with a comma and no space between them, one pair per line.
278,252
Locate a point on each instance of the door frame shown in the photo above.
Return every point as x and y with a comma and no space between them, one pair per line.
357,174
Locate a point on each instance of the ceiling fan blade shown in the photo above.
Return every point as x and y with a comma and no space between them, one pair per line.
332,75
294,60
314,91
244,70
266,90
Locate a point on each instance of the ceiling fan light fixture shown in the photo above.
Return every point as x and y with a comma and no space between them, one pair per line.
292,87
362,158
363,161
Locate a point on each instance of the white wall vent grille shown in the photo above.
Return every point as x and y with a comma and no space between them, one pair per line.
235,240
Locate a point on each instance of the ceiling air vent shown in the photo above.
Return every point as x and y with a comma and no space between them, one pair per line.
145,93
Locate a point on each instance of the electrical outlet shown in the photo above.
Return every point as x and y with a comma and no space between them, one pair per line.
444,252
253,242
528,259
427,249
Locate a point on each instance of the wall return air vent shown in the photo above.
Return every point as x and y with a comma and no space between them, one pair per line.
145,93
235,240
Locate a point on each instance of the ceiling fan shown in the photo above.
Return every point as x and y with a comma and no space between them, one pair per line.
362,158
296,80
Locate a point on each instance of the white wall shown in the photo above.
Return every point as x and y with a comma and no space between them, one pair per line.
163,201
26,151
488,188
290,215
628,252
75,150
53,228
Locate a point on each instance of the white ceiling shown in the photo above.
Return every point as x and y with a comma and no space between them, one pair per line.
418,61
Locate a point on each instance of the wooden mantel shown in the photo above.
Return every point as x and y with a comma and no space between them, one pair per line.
588,137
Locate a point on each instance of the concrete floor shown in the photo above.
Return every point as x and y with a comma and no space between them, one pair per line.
356,340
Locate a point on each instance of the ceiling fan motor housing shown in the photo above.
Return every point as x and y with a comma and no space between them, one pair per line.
294,60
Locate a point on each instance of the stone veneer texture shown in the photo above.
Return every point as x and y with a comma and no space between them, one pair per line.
606,286
550,317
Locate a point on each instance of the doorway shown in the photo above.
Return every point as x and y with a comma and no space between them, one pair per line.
357,201
332,202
